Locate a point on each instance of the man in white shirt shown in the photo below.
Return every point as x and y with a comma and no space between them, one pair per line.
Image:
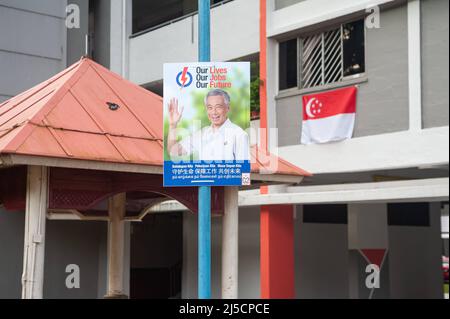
221,141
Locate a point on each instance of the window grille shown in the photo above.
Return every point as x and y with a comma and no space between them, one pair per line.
322,59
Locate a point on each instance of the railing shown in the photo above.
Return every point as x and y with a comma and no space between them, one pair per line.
159,26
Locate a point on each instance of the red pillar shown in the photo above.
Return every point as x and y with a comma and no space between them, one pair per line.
276,221
277,252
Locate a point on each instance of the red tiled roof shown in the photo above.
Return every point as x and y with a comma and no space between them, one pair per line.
266,163
68,116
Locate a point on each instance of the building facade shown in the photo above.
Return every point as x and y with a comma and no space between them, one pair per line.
384,189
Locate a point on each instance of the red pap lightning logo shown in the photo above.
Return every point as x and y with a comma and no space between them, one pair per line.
184,78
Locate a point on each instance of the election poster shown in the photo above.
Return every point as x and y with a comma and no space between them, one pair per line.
206,122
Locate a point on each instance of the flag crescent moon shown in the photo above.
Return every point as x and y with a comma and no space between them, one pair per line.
308,108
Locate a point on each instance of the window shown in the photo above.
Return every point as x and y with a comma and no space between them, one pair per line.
409,214
325,214
331,56
325,58
288,64
353,47
151,14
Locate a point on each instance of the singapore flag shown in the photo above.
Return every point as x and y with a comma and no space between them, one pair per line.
329,116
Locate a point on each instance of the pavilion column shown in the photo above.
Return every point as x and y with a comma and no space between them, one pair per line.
34,241
230,244
116,247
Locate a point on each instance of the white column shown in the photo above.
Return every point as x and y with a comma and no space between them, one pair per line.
34,242
272,82
272,91
127,259
230,244
367,226
367,230
414,66
116,246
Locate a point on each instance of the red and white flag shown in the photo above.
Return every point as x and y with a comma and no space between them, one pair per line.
329,116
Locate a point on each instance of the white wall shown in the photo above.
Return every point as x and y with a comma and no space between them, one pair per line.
32,45
190,255
435,62
367,229
249,249
415,259
67,242
377,152
445,219
321,259
367,226
73,242
249,252
12,226
234,33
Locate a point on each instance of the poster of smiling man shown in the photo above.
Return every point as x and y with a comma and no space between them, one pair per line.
206,118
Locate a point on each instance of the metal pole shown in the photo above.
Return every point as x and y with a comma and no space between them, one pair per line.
204,46
230,244
204,192
204,243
